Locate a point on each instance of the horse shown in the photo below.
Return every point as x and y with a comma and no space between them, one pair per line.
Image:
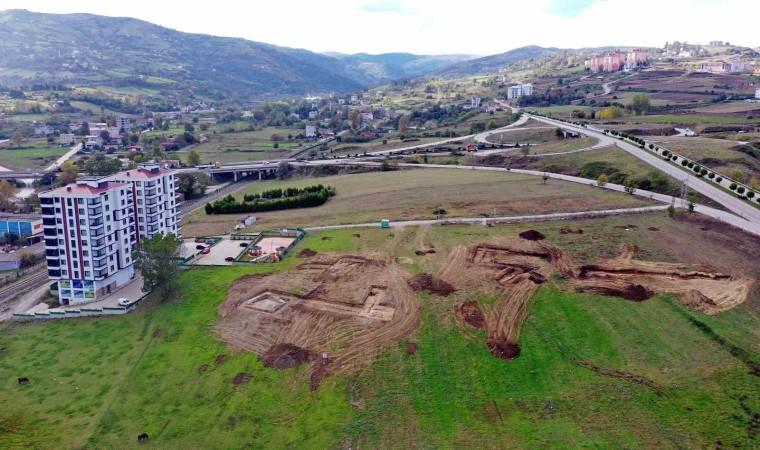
23,380
142,437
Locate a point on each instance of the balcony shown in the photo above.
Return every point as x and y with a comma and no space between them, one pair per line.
100,263
96,232
53,263
94,211
49,221
51,243
46,201
52,253
100,273
150,193
54,273
96,222
51,232
48,211
98,243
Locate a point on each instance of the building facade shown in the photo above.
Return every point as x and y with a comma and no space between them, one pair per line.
521,90
28,227
67,139
614,61
124,123
91,228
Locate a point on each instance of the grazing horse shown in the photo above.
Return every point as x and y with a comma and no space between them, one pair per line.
23,380
142,437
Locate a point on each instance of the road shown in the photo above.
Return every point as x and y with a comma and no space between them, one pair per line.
59,162
731,202
482,137
502,219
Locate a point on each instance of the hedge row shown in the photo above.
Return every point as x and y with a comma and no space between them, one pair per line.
287,192
228,204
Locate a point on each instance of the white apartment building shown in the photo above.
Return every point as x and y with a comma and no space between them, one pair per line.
311,131
154,193
757,94
521,90
124,123
67,139
91,228
475,102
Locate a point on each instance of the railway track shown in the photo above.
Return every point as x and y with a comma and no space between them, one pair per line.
31,282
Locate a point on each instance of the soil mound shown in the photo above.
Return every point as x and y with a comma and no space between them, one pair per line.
285,356
411,348
220,359
472,314
242,378
306,253
697,301
617,288
428,283
532,235
566,230
504,349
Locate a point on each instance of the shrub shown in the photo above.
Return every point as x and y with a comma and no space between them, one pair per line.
703,171
228,204
690,164
697,168
740,189
711,175
719,179
684,162
651,146
750,194
733,186
674,158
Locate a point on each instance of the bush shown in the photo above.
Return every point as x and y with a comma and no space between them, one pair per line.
228,204
674,158
684,162
719,179
750,194
703,171
733,186
740,189
651,146
711,175
690,164
697,169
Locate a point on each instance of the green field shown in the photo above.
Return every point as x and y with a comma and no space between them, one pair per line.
414,194
30,158
689,120
99,382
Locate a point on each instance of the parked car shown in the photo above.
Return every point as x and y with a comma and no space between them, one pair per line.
124,301
229,259
244,244
209,242
200,247
206,251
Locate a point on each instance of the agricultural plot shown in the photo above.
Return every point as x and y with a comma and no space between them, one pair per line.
592,370
415,194
247,146
721,155
35,154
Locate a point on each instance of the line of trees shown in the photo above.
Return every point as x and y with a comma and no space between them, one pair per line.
228,204
287,192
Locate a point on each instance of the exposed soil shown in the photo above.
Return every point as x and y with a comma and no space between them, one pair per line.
566,230
504,349
411,348
285,356
220,359
357,235
326,238
472,315
532,235
351,305
653,229
158,333
616,288
202,368
431,284
306,253
242,378
626,376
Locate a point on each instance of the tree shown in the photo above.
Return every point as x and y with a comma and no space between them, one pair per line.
630,185
100,165
139,158
559,133
69,173
156,257
283,169
402,121
192,184
640,104
158,121
492,125
354,119
193,158
275,137
7,193
602,180
84,130
17,137
189,128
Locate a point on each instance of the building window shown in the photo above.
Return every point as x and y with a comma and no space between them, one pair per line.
87,274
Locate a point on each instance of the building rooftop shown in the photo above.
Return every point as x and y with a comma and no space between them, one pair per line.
78,189
143,172
12,216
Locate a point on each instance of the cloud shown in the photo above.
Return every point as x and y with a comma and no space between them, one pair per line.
569,8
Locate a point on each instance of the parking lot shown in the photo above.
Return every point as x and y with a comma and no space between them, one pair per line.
217,254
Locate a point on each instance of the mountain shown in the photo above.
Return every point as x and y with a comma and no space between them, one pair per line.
90,50
493,63
375,69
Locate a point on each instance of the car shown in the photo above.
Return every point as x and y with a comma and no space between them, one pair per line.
206,251
124,301
209,242
264,162
244,244
200,247
229,259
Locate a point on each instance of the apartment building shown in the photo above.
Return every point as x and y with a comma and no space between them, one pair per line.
521,90
124,123
91,227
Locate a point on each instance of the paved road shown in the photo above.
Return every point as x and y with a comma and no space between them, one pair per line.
482,137
502,219
731,202
59,162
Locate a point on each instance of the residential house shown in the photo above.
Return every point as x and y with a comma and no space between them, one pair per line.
67,139
475,102
310,132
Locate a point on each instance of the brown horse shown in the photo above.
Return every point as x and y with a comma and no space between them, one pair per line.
23,380
142,437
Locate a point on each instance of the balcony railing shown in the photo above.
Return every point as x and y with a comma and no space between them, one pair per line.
46,201
51,252
48,211
51,232
54,273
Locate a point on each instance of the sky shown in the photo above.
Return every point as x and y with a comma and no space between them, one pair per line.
477,27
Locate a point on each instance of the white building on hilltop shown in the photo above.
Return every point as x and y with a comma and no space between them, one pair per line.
521,90
757,94
91,227
475,102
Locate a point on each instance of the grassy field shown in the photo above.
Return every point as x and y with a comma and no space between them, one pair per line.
99,382
717,154
376,146
246,146
414,194
36,154
689,120
564,145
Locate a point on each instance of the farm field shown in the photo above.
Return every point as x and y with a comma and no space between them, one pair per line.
377,145
593,370
720,155
685,119
563,145
31,157
246,146
414,194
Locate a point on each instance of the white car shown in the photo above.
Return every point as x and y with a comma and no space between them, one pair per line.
124,302
265,162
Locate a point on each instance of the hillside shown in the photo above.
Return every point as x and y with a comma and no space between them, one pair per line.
90,50
392,66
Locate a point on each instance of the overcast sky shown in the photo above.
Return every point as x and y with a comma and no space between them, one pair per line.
479,27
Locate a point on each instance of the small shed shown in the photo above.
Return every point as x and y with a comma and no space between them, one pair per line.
250,220
385,223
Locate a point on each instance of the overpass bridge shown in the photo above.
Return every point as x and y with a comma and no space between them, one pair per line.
21,175
239,171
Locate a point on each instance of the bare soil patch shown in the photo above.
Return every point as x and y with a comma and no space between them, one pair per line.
566,230
202,368
431,284
411,348
532,235
472,315
242,378
349,305
220,359
306,253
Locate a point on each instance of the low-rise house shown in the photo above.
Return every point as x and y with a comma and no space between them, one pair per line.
67,139
313,114
93,141
310,131
44,130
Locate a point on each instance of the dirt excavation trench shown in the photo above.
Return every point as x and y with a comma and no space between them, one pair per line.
513,269
331,312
